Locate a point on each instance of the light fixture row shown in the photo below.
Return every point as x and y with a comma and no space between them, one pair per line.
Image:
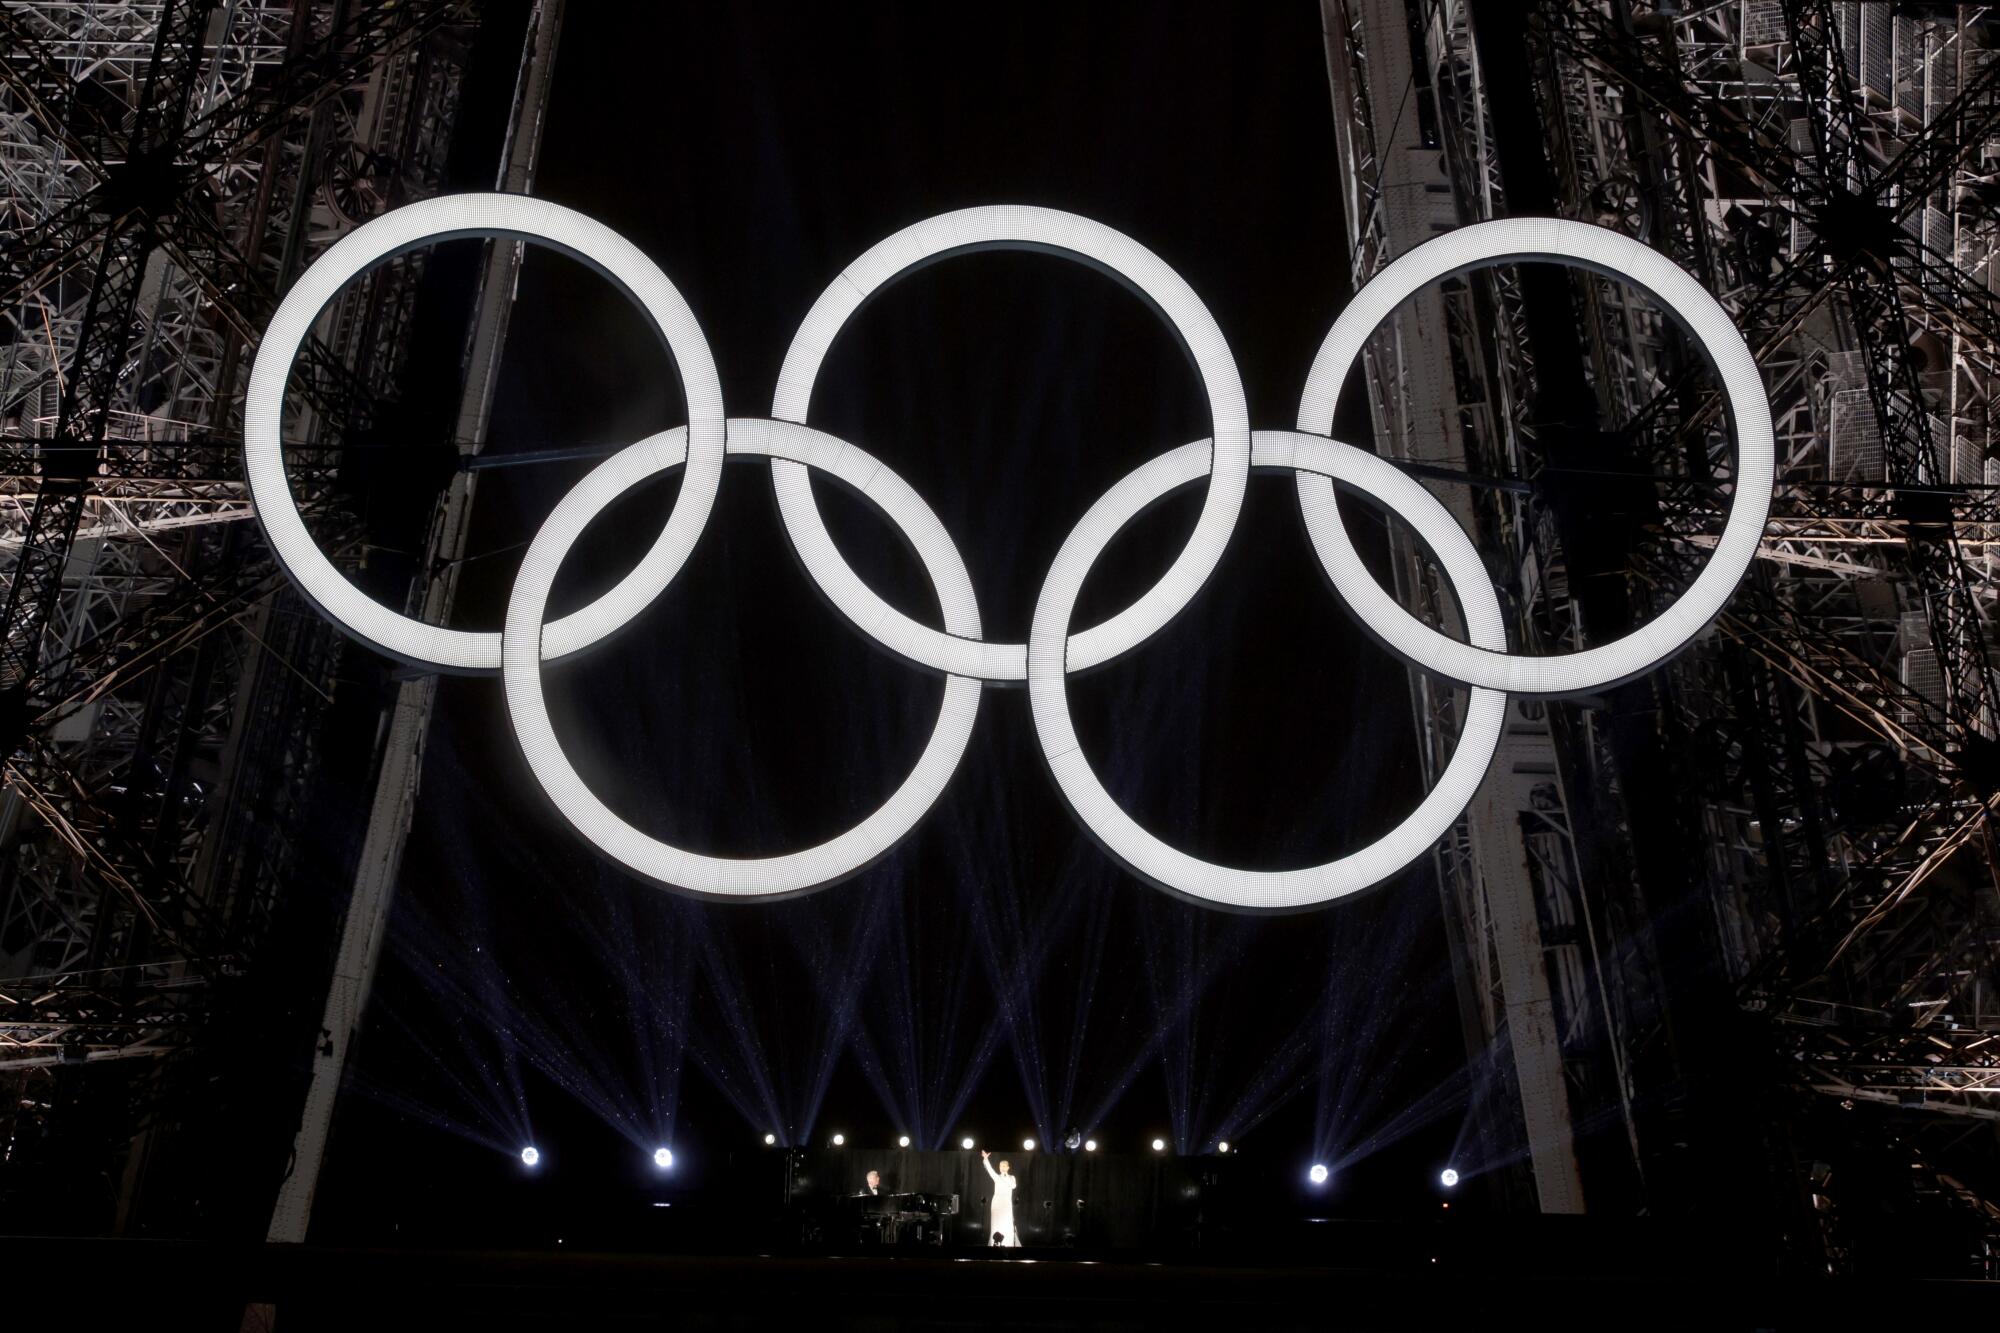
1318,1173
839,1140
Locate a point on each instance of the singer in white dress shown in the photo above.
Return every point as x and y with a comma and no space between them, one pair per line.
1003,1202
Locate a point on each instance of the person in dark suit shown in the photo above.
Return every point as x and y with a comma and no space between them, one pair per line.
878,1221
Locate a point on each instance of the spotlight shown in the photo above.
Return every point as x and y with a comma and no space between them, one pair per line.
1448,1177
1071,1140
1090,1145
840,1140
1027,1145
966,1143
770,1140
1159,1145
1317,1175
530,1155
663,1158
1222,1146
903,1142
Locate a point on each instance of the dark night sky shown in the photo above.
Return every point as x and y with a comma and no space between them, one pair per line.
996,974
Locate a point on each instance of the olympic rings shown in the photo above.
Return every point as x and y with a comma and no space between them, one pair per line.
969,231
1120,834
1479,246
441,219
959,649
774,876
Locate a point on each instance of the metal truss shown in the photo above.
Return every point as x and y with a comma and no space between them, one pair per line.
1944,1064
165,169
1513,857
1868,133
1826,171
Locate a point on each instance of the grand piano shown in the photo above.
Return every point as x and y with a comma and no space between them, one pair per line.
899,1219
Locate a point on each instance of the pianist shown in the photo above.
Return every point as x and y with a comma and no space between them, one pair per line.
880,1216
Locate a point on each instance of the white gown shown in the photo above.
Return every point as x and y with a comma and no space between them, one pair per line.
1003,1206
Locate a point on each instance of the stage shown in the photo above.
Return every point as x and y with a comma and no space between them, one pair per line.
185,1285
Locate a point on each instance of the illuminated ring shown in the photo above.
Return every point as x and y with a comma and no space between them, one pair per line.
714,876
1120,834
1601,251
449,217
1007,227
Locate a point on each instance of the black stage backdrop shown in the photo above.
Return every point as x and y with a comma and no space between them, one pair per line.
995,975
1087,1201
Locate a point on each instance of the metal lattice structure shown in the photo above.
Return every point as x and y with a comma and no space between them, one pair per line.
165,169
1704,913
1765,882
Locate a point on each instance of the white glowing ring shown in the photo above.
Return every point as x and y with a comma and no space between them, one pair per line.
1002,227
423,223
1145,854
715,876
1602,251
958,648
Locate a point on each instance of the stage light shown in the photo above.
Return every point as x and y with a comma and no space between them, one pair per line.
1027,1145
1317,1175
530,1155
1222,1146
1159,1145
1090,1145
903,1141
965,1143
663,1158
770,1140
840,1140
1448,1177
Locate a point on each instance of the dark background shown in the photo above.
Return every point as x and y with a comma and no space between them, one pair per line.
995,975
